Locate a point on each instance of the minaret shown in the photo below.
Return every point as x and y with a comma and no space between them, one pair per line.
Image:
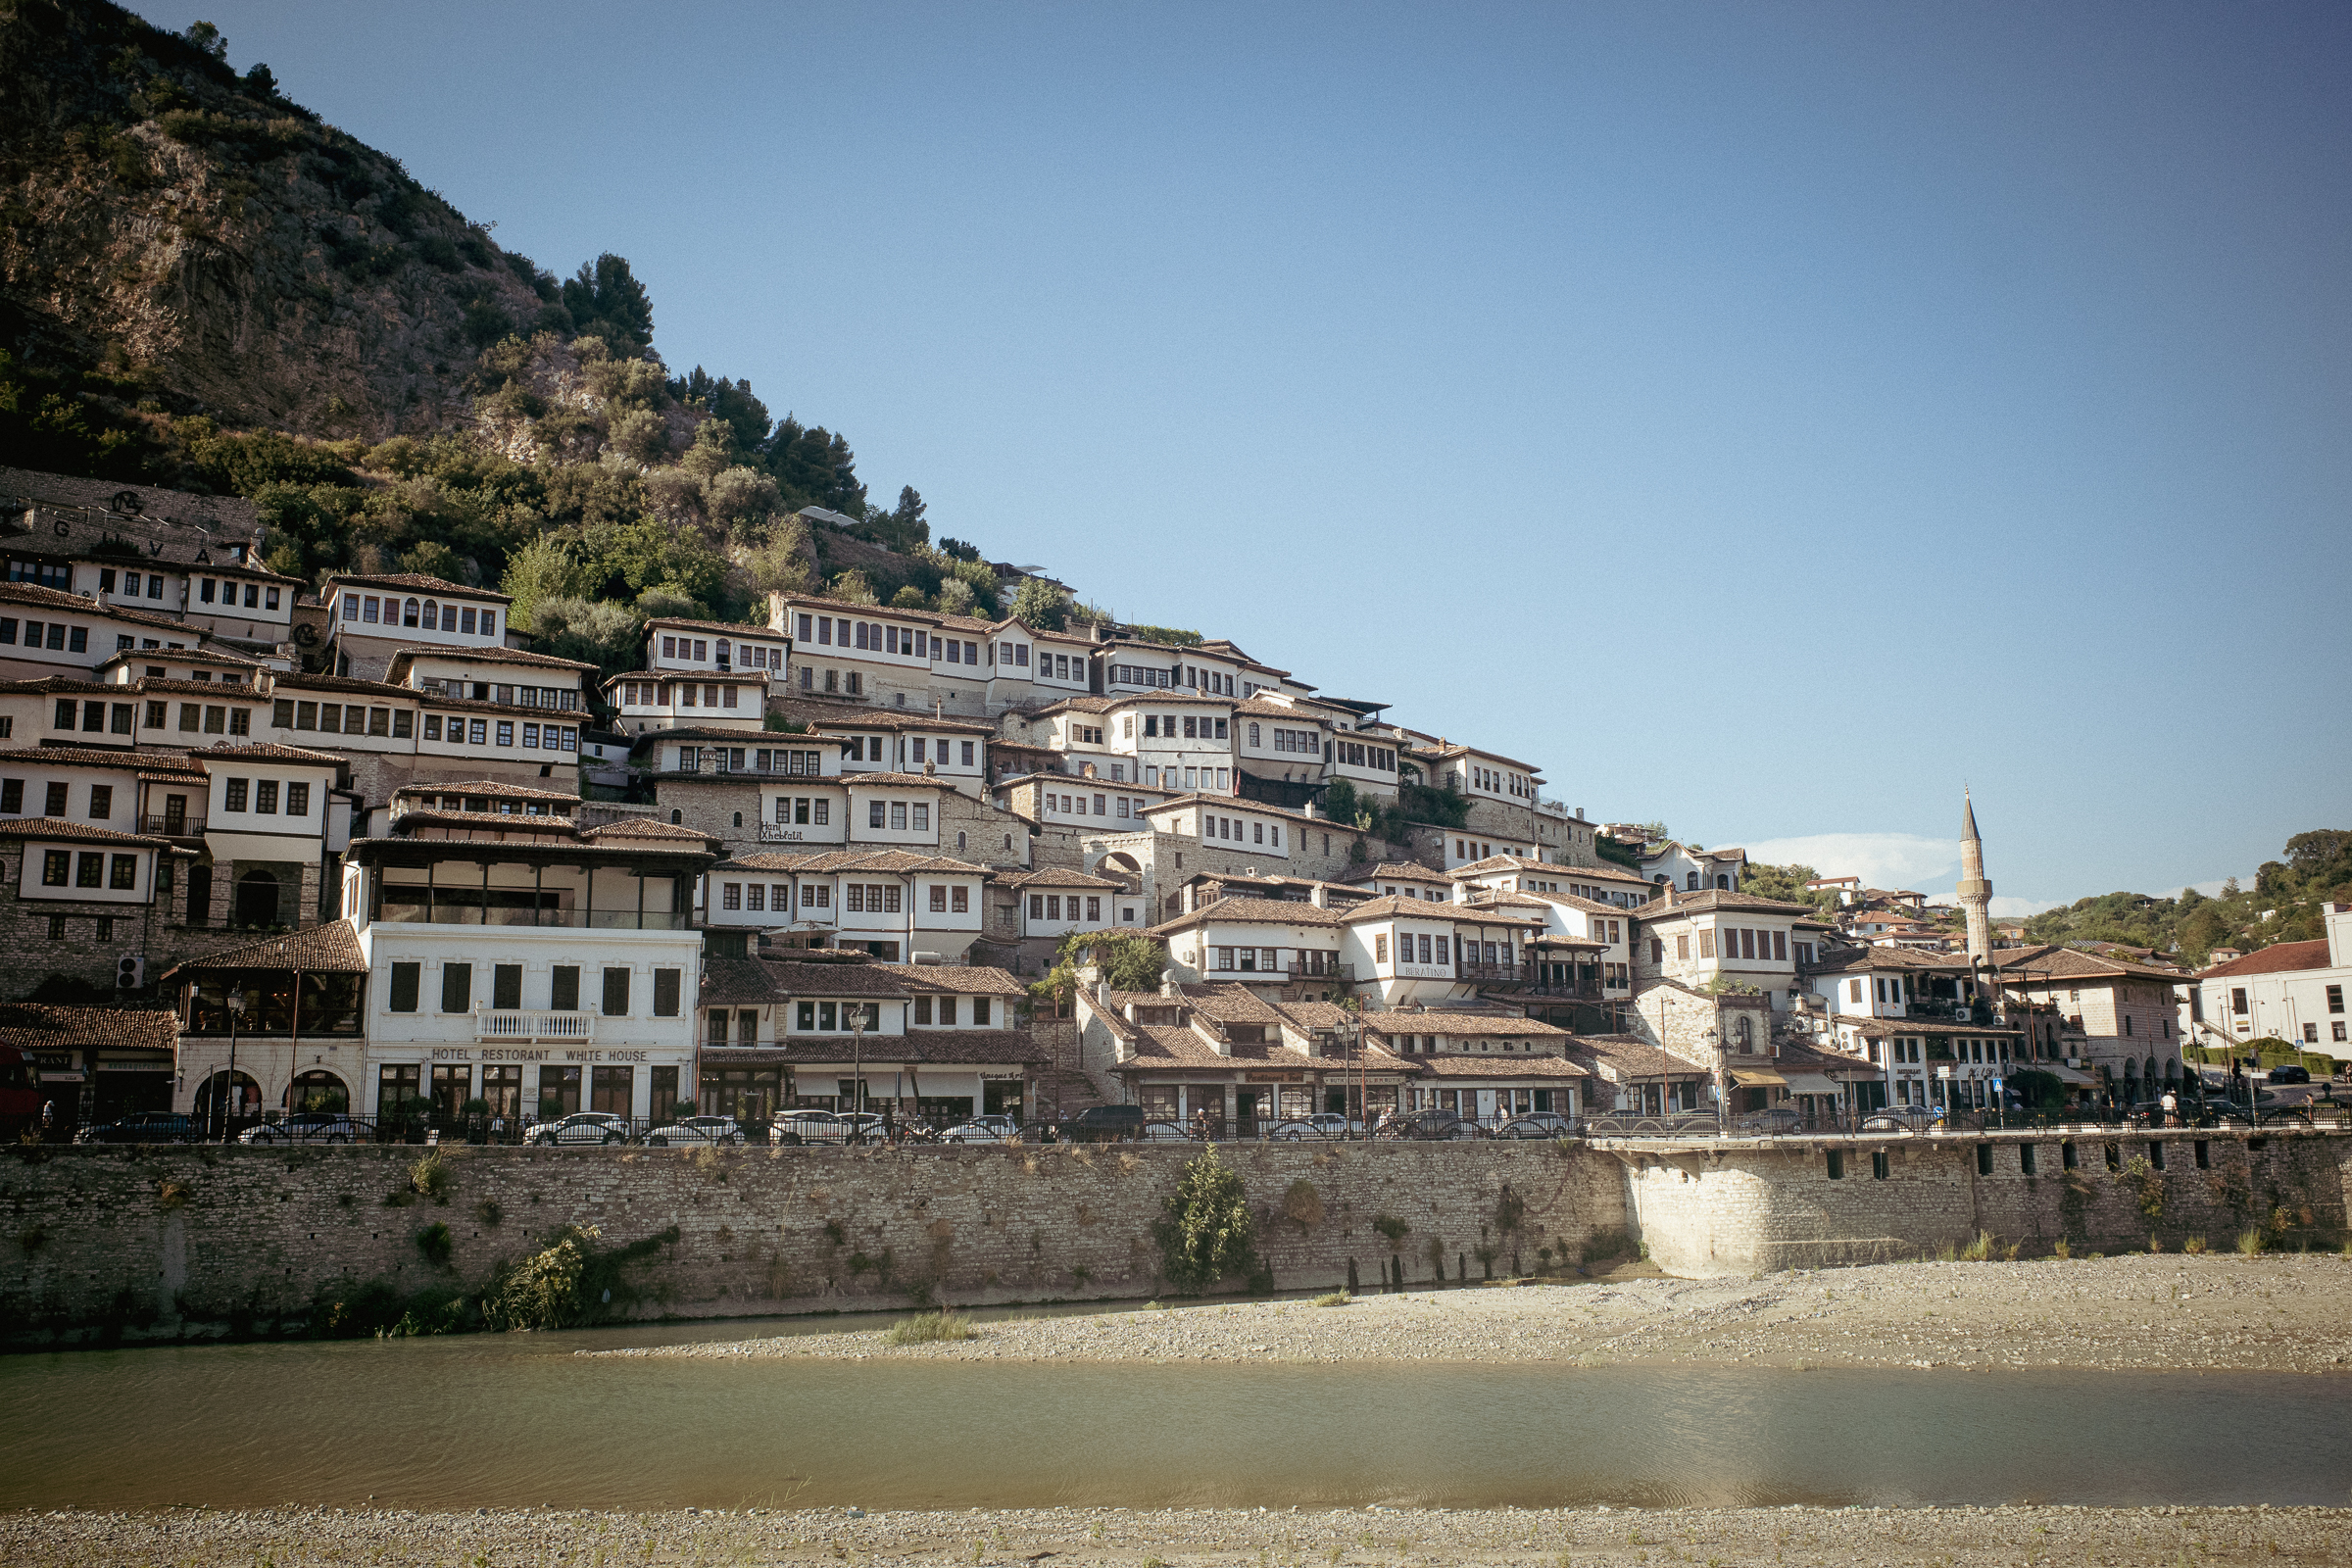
1975,894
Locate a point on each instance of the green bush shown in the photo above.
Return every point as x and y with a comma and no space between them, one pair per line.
1207,1233
434,1241
930,1328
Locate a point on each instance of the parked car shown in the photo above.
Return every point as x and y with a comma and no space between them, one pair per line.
307,1127
1329,1124
1901,1119
1536,1124
581,1127
1434,1124
830,1127
145,1127
697,1130
2289,1072
1165,1132
984,1130
1105,1124
1771,1121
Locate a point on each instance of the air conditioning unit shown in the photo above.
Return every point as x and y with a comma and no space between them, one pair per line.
130,972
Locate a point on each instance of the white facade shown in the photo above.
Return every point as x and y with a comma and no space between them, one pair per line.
2245,1000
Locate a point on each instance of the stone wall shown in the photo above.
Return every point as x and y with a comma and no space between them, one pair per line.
160,1241
163,1242
1744,1207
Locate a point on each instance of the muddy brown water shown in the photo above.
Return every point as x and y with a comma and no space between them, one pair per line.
508,1420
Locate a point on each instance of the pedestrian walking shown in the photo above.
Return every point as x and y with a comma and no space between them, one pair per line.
2172,1109
48,1118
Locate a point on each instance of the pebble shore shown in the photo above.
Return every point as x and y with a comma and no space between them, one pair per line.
2272,1314
1083,1538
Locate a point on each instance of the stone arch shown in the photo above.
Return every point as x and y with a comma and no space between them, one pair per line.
317,1089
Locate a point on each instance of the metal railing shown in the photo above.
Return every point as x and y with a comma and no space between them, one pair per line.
1507,972
173,827
1342,972
522,1024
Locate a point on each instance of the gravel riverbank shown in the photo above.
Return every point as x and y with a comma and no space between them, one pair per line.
1082,1537
2276,1313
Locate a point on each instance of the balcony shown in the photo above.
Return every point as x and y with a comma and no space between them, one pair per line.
173,827
1337,973
1566,991
1494,975
521,1026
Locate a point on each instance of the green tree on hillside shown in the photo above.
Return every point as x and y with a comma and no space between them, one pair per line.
607,302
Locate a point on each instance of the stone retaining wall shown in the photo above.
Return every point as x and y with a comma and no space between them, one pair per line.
1749,1207
98,1242
161,1242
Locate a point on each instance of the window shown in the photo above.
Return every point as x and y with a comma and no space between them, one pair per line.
1380,947
234,796
102,801
563,988
55,867
875,814
125,873
2335,1001
456,986
1877,1166
506,986
1706,944
403,987
617,992
665,992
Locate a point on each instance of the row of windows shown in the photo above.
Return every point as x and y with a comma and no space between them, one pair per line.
836,680
870,898
1121,805
1378,758
804,811
341,718
1196,727
1047,907
155,585
429,616
1227,827
565,698
1268,960
56,866
1195,778
682,694
264,797
898,814
478,732
865,898
1136,676
698,651
228,593
823,631
55,634
1407,947
1737,943
506,989
102,799
1301,742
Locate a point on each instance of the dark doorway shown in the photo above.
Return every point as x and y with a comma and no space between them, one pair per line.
257,900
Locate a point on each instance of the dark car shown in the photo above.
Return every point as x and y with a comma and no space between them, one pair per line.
2290,1073
1105,1124
145,1127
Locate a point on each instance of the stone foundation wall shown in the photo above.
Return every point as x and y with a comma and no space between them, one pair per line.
162,1242
1749,1207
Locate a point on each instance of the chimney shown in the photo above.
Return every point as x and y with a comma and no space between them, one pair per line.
1167,982
1310,811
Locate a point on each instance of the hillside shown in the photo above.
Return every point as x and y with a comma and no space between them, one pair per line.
2316,869
204,286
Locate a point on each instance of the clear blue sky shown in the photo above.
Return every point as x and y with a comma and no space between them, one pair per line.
1761,417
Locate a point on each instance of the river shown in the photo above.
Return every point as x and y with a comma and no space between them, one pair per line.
502,1420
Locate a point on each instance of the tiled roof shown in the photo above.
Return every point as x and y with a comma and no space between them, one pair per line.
322,949
1400,873
494,789
179,656
99,757
1863,961
1252,911
891,862
544,823
1881,1028
2279,958
917,1046
410,653
1397,906
713,732
1494,864
896,780
638,828
412,582
1628,1059
1500,1025
1163,1045
796,979
2069,963
49,1026
1513,1065
1235,802
269,751
1055,877
36,597
1228,1003
960,980
723,628
893,720
1569,900
1717,901
380,689
57,827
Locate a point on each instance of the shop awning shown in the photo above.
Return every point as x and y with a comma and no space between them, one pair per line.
2065,1075
1811,1083
1756,1077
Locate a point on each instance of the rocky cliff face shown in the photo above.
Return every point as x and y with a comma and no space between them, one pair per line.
216,247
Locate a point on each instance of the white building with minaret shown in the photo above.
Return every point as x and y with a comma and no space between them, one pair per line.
1975,893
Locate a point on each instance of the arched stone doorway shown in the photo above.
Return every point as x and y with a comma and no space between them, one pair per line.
258,898
213,1097
317,1089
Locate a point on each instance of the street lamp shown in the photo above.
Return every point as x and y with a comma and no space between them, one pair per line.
1347,1033
236,1016
857,1071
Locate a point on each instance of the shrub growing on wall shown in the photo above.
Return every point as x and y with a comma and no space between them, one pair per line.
1207,1233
